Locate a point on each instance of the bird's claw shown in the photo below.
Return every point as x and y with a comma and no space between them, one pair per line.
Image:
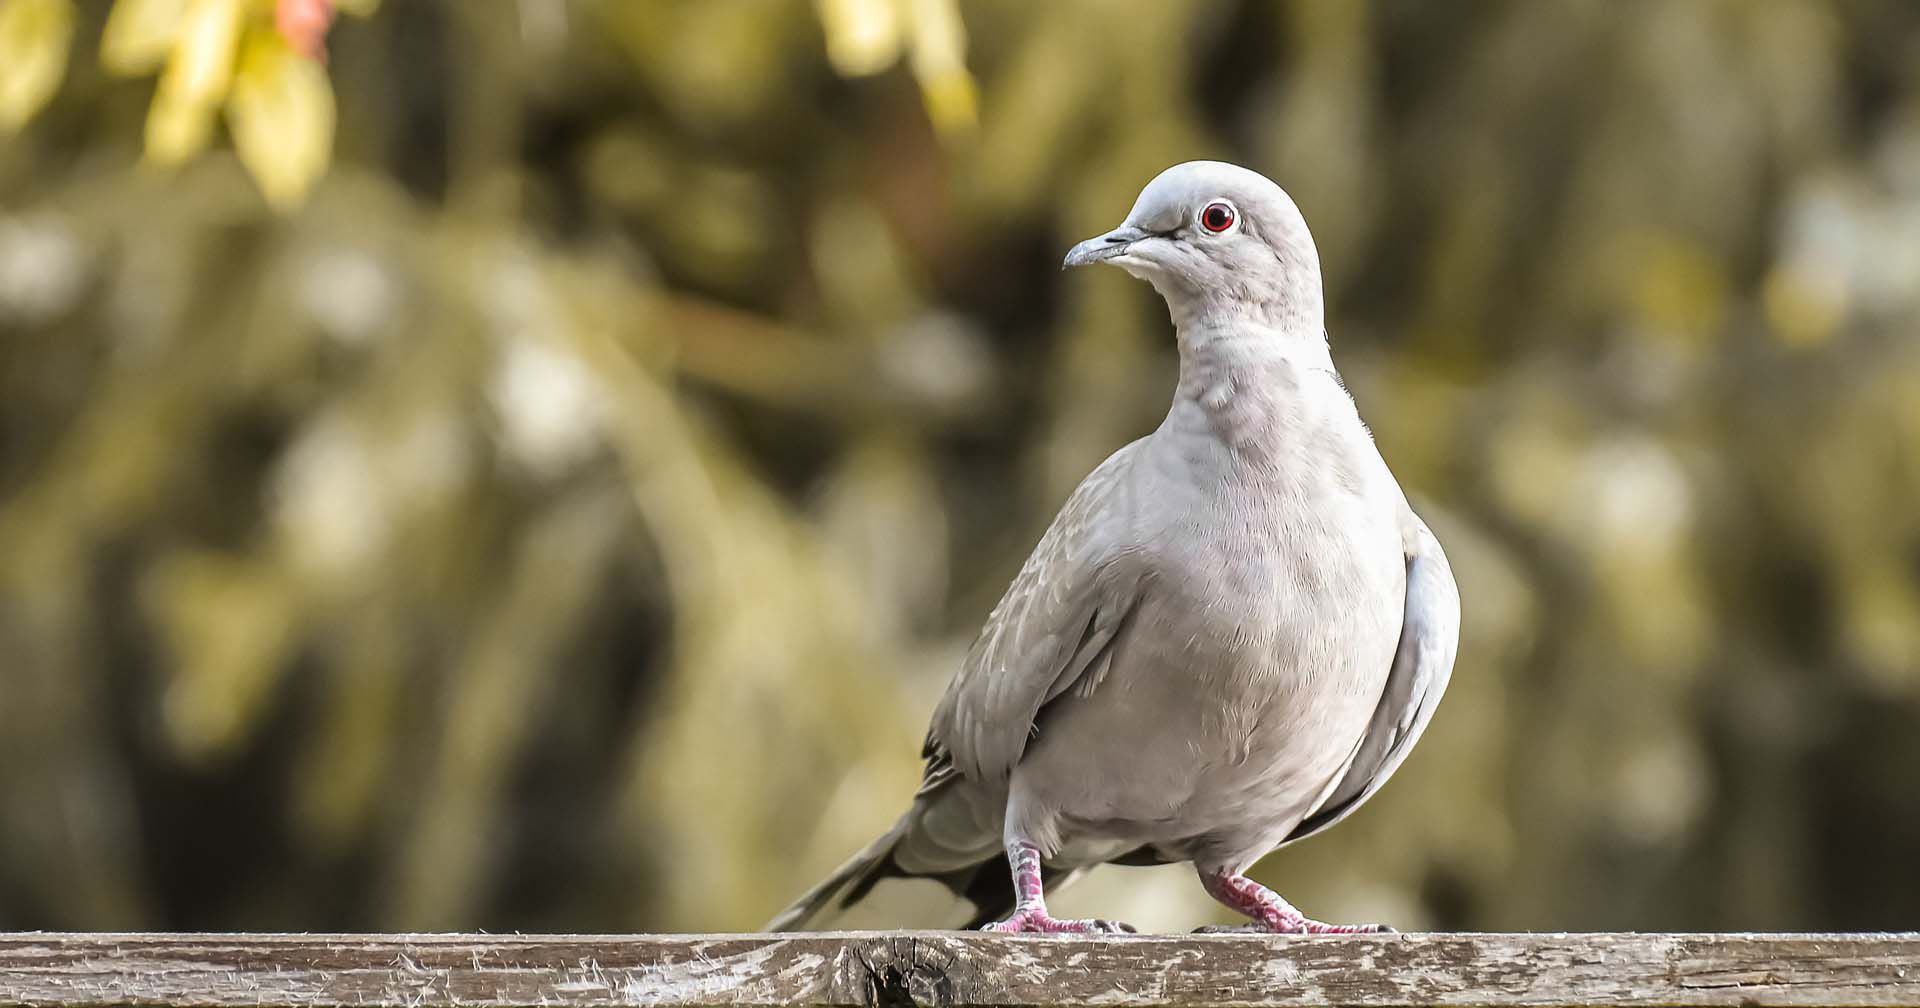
1037,922
1303,926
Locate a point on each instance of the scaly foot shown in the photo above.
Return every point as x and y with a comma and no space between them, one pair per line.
1034,920
1030,909
1304,926
1270,913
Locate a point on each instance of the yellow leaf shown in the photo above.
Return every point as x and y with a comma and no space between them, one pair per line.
34,35
952,102
863,36
202,63
177,129
139,35
281,116
940,65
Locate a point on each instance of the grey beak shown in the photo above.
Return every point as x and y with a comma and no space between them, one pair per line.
1106,246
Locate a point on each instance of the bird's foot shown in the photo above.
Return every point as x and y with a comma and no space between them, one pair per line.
1270,913
1034,920
1296,926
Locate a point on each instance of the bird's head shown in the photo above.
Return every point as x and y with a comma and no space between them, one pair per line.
1217,240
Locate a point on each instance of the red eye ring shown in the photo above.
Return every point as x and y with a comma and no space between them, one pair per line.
1217,217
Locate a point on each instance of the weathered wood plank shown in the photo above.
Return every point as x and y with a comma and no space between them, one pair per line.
896,969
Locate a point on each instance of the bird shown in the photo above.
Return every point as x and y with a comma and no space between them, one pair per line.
1230,636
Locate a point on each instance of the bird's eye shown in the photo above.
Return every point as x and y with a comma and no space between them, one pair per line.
1217,217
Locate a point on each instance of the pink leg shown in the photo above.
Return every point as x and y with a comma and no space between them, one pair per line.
1030,903
1270,913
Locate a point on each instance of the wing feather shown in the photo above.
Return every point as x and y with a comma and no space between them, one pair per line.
1422,665
1052,629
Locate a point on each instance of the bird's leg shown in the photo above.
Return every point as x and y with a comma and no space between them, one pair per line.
1270,913
1030,903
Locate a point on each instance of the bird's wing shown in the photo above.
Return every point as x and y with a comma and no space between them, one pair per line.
1051,630
1429,637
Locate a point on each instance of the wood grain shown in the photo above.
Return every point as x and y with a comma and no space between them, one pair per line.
898,969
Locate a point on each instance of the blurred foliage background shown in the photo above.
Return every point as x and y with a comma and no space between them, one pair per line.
533,465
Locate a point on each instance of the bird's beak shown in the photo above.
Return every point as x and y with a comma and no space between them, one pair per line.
1114,243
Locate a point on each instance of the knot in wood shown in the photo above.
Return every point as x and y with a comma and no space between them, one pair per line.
905,972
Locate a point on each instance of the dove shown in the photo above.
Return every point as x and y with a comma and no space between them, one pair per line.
1229,638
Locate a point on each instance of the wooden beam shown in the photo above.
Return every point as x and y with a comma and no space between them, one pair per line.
898,969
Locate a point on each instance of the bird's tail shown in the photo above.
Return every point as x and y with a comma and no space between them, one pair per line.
846,885
982,882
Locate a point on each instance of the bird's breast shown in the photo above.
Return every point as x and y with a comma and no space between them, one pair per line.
1279,595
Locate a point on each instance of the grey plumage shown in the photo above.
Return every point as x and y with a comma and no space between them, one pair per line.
1233,632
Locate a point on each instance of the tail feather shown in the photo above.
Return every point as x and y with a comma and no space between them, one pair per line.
847,884
947,835
986,886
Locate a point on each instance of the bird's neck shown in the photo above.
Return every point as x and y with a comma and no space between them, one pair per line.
1290,305
1248,385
